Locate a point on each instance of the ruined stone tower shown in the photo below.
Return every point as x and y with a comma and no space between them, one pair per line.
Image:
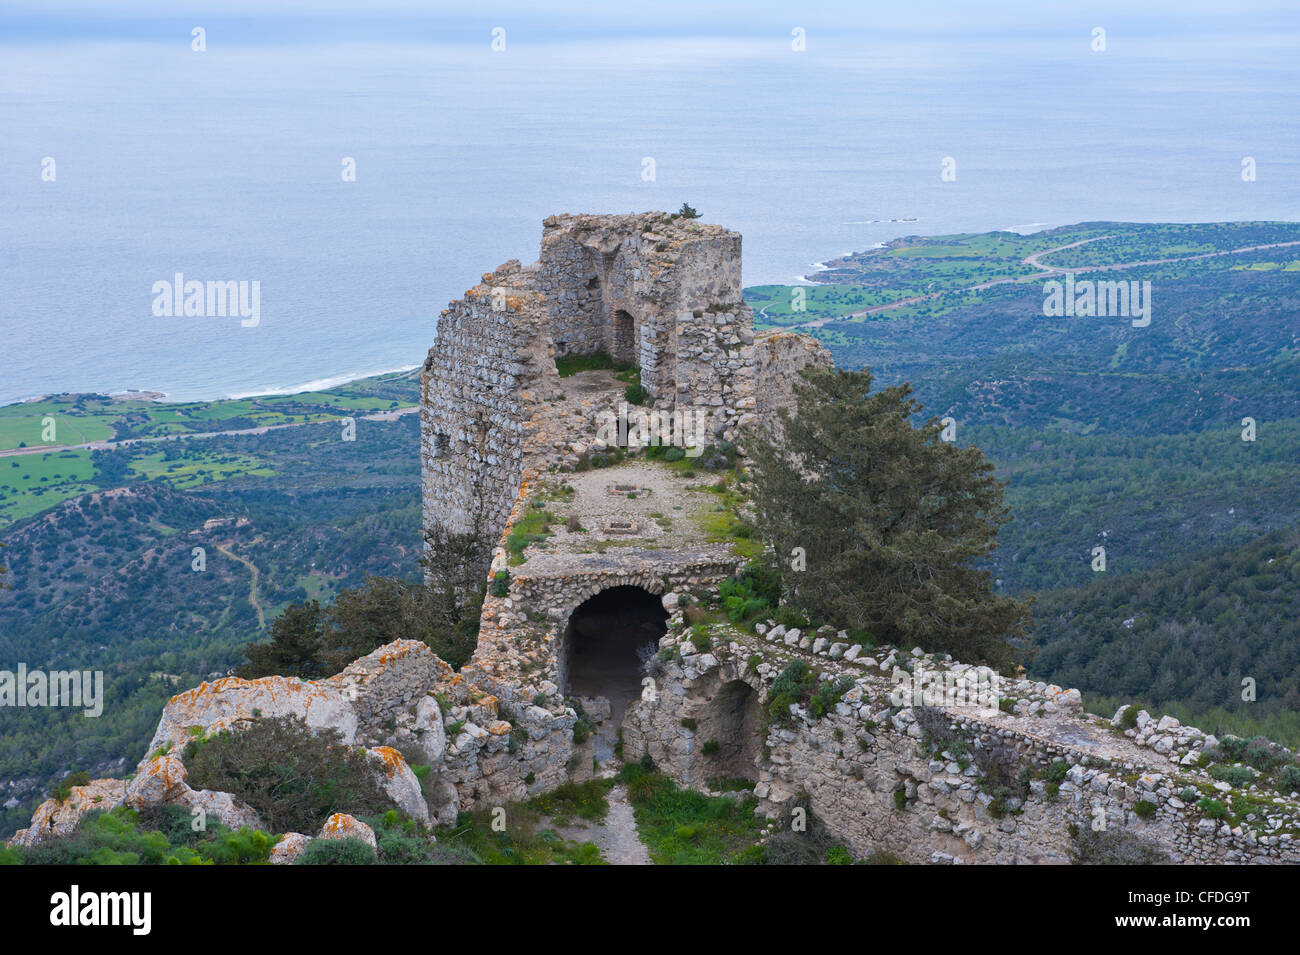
657,291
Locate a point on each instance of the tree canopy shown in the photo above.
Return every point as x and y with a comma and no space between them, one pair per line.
893,520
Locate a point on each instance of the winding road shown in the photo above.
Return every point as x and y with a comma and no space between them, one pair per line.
1045,272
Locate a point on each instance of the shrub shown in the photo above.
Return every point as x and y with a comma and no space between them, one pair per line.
295,778
700,638
1233,775
900,799
689,723
838,855
1113,847
754,593
1288,780
1212,808
635,394
827,694
792,685
501,583
711,747
64,789
581,731
1056,772
1144,808
337,852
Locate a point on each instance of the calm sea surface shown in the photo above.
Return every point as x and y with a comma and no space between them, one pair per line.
225,165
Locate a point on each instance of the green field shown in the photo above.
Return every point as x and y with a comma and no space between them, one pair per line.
193,467
32,483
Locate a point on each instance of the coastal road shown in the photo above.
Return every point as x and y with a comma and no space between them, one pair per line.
1045,272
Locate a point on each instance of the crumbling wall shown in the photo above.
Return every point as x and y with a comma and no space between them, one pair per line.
489,372
881,782
779,357
716,367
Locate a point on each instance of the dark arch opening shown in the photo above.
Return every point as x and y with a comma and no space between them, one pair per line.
599,656
732,719
622,337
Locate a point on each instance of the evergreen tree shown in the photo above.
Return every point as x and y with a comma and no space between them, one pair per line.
894,521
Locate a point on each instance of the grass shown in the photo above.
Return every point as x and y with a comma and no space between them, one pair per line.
568,365
521,834
533,527
198,467
32,483
683,827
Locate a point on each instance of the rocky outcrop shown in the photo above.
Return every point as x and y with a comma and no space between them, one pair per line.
342,826
288,848
55,818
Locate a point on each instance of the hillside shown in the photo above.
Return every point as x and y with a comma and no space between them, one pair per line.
1128,438
1110,435
106,579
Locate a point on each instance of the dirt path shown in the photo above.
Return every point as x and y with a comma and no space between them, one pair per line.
616,836
252,587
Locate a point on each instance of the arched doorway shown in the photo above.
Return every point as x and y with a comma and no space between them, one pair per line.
731,719
622,337
599,656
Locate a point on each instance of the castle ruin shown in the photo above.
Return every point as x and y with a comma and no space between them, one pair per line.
602,553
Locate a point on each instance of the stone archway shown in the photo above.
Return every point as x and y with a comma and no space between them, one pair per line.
599,658
623,337
730,724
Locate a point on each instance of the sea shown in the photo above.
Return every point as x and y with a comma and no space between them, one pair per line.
366,170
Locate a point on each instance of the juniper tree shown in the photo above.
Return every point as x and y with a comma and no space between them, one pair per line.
894,521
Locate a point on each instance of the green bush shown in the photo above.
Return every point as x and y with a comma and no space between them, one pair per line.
1144,808
753,594
792,685
1233,775
295,778
123,836
63,790
636,394
827,694
1212,808
838,855
700,638
501,583
711,747
1288,780
337,852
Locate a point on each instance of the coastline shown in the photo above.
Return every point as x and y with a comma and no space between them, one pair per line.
162,397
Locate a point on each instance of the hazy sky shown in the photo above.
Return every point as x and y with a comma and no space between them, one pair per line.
281,21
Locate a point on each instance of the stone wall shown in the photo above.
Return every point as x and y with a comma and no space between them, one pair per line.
655,290
483,383
880,782
779,356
